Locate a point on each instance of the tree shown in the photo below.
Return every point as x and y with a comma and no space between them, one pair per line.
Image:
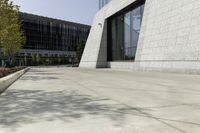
11,36
38,59
80,49
34,58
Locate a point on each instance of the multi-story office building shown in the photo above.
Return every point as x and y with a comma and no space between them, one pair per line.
102,3
160,35
52,40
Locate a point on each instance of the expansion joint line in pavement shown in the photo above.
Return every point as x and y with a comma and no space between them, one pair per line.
139,110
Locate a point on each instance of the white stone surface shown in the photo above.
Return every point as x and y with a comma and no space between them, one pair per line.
95,53
169,38
67,100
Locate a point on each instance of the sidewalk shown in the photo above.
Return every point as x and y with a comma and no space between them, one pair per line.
72,100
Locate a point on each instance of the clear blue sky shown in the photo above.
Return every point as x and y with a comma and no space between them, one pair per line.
81,11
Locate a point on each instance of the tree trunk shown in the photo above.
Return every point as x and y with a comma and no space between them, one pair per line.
10,59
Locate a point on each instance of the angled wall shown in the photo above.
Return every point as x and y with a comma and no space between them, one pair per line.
94,42
95,53
169,38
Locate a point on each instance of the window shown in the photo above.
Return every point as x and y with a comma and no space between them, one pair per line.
123,34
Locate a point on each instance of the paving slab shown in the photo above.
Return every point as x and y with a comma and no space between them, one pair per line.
74,100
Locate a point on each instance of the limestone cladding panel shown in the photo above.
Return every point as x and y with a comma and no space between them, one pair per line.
97,34
170,35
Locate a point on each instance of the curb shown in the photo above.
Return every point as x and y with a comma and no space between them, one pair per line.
5,82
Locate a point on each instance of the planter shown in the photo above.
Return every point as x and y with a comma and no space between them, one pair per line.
5,82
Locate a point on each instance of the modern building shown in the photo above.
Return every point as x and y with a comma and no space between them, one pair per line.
102,3
49,40
161,35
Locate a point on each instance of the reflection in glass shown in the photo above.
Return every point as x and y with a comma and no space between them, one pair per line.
125,31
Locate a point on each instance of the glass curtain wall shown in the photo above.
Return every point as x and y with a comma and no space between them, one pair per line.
102,3
46,35
125,29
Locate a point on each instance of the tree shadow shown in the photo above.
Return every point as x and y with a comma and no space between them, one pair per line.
35,75
19,107
38,78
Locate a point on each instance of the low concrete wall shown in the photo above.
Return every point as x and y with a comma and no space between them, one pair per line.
5,82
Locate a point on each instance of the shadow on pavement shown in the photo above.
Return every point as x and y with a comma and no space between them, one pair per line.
35,75
28,106
38,78
19,107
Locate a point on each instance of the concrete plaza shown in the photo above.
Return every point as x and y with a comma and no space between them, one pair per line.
73,100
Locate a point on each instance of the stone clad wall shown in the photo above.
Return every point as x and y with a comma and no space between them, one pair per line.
169,38
95,53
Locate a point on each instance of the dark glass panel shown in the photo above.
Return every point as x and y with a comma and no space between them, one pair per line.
125,29
51,34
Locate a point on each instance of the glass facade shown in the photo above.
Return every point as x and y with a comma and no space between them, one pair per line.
124,34
52,34
102,3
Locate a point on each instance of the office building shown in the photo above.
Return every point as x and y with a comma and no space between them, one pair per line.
50,40
160,35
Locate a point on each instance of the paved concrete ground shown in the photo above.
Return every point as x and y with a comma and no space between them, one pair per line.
66,100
